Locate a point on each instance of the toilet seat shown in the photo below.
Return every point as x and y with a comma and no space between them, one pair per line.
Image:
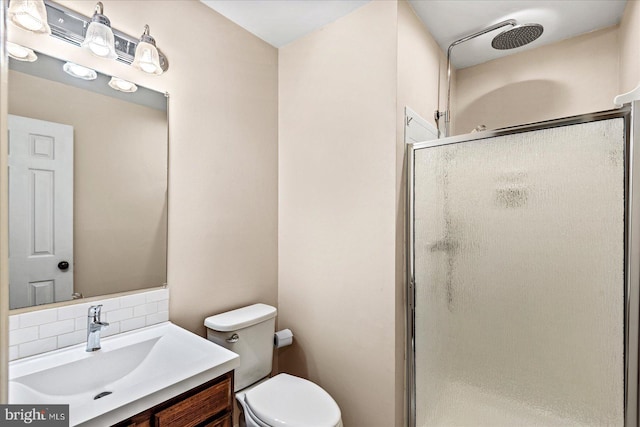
288,401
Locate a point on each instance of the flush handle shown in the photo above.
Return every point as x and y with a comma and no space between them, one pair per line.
233,338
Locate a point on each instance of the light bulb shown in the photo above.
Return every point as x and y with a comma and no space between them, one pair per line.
21,53
146,57
122,85
79,71
29,22
30,15
99,47
99,37
146,61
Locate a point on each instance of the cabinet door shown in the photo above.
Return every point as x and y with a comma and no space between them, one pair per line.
140,420
198,408
222,422
143,423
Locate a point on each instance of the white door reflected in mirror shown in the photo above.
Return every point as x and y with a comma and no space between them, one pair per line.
40,212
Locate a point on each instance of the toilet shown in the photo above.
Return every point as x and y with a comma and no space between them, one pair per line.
281,401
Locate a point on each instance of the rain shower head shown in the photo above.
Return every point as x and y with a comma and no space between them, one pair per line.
517,36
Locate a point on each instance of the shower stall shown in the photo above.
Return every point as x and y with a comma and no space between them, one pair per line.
523,253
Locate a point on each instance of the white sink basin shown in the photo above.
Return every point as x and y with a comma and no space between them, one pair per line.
132,372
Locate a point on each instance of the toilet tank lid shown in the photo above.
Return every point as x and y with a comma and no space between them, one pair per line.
240,318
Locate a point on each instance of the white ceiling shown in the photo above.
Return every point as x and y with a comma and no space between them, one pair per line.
450,20
279,22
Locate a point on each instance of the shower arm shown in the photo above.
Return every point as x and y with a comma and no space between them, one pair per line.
447,113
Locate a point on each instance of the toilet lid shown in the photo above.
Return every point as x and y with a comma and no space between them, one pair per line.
285,400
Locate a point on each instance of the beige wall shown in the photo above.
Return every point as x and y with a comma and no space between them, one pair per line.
574,76
422,78
629,38
337,211
223,150
120,177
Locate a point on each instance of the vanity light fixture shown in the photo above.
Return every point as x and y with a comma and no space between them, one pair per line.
147,58
99,38
122,85
30,15
78,71
74,28
21,53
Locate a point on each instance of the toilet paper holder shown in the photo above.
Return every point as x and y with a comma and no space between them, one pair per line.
283,338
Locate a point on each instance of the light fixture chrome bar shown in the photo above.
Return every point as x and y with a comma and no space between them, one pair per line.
71,27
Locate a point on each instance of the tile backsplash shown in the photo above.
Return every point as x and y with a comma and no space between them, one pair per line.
53,328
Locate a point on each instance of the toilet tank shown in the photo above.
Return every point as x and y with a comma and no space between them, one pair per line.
248,332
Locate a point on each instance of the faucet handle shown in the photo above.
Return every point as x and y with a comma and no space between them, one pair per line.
95,311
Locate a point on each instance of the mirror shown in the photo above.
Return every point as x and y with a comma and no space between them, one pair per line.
87,186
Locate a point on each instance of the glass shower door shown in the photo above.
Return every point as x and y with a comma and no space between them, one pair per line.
519,270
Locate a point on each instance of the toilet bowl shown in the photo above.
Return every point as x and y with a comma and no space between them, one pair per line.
281,401
286,400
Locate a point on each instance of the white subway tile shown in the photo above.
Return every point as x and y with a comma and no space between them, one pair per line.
36,347
160,294
45,330
163,305
57,328
159,317
38,317
81,323
120,314
112,329
143,310
14,322
133,323
13,352
73,338
73,311
23,335
109,304
132,300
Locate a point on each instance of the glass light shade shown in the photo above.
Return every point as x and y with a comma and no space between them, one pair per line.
122,85
79,71
30,15
100,41
21,53
147,59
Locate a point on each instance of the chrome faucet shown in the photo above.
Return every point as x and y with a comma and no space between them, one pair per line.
94,326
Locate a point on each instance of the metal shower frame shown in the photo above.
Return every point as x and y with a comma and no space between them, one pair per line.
631,246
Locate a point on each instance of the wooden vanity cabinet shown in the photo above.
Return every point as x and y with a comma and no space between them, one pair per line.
208,405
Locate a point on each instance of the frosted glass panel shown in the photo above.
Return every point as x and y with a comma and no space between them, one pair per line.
519,269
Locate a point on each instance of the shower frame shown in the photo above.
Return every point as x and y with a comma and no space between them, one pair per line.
631,246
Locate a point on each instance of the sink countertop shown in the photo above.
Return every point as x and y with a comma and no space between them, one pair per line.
140,368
